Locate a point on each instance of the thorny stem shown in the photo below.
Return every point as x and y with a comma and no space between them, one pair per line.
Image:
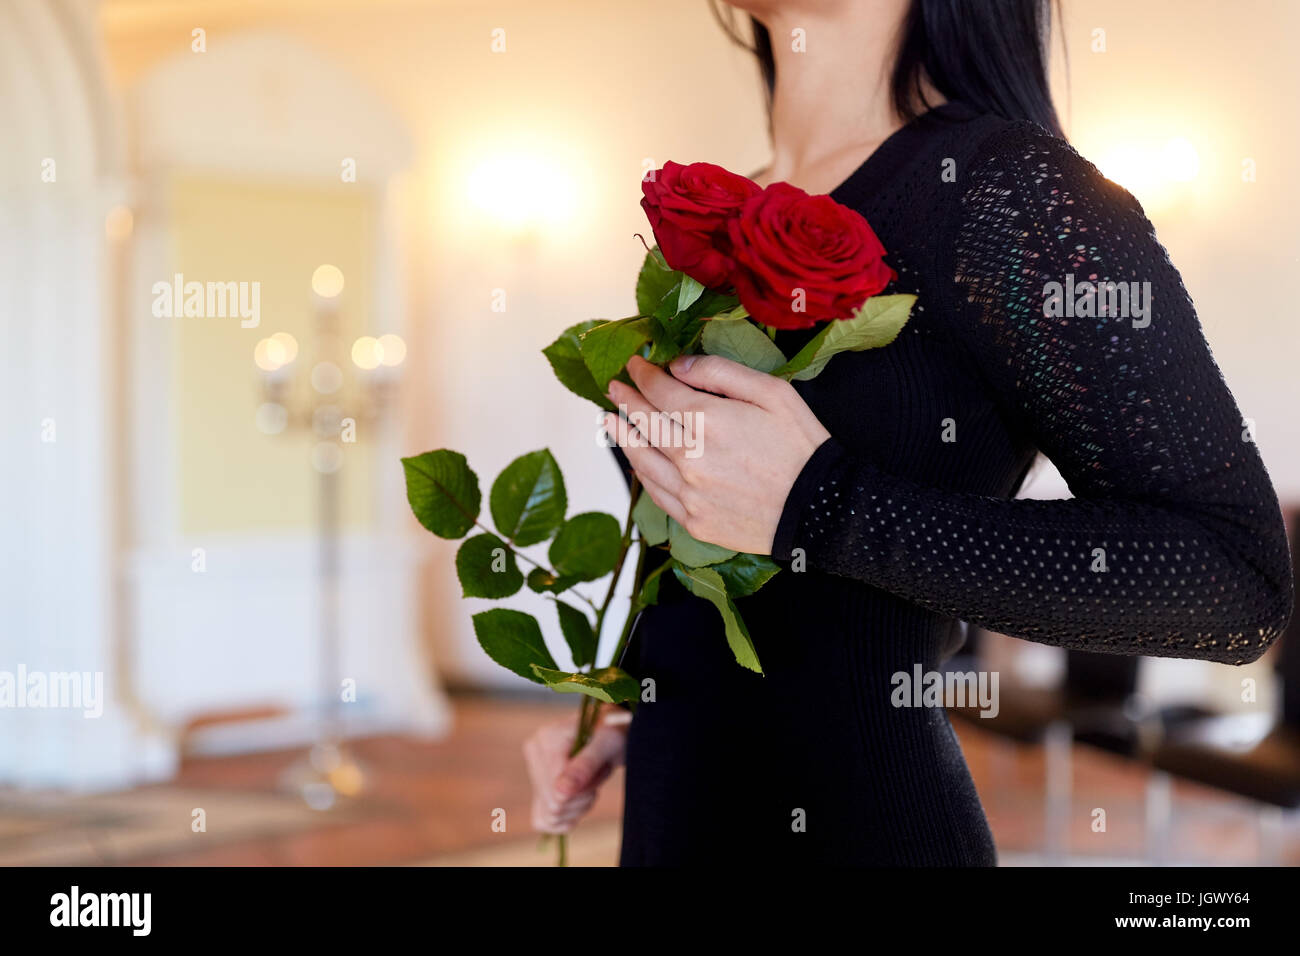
637,607
699,334
622,555
589,711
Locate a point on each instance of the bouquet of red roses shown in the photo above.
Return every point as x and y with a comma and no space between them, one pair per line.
734,264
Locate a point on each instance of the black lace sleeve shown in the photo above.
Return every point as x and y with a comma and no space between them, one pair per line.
1173,544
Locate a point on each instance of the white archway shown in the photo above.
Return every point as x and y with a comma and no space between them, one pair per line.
261,108
90,551
61,174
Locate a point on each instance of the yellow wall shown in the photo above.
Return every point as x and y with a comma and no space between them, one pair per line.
232,477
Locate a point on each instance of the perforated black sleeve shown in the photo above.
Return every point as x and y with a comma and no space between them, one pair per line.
1173,544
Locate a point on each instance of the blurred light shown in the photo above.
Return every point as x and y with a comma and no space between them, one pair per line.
327,281
326,378
289,344
318,795
347,779
327,457
393,349
1147,171
119,223
367,353
523,192
1129,166
272,418
1181,160
326,421
270,355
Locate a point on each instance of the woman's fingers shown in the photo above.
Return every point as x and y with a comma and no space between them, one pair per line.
562,821
649,462
660,429
546,750
569,790
662,390
593,763
713,373
667,502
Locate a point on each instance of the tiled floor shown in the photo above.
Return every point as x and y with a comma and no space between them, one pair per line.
433,803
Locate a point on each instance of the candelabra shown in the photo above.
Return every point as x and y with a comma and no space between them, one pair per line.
332,414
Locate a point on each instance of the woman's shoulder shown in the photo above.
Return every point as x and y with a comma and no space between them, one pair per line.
1022,164
985,159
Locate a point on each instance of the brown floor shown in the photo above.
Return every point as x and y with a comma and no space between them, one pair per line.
422,801
433,803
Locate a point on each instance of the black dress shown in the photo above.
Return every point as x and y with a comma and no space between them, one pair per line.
1172,546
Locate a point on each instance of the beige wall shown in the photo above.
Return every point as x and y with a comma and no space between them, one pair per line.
233,478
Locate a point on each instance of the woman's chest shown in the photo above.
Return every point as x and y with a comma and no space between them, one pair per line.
917,408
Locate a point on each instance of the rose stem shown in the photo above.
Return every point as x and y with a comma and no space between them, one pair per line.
589,711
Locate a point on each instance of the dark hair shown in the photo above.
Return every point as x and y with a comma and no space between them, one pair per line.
990,54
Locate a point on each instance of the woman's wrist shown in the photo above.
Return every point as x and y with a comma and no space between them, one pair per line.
801,494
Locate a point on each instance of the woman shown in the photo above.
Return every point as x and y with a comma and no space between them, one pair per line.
885,484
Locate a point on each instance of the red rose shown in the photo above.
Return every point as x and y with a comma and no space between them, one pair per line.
688,208
803,259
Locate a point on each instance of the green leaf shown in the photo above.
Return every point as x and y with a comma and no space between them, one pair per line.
443,492
653,282
746,573
565,356
708,303
713,303
578,634
607,347
739,312
708,584
514,640
667,306
528,500
876,323
688,293
674,328
540,581
693,553
587,546
742,341
664,344
610,684
672,338
651,520
649,591
487,568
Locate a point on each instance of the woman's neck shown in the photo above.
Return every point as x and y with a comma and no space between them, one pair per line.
833,101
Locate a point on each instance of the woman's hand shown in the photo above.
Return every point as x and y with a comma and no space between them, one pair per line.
725,450
564,787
